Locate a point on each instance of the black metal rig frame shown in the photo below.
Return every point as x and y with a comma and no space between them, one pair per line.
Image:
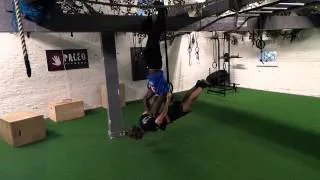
227,85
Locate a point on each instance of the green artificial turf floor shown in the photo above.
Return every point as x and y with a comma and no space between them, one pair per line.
244,136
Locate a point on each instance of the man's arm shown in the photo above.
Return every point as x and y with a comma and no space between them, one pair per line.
164,112
146,100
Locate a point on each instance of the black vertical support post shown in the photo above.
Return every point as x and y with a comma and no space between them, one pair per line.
219,53
229,60
112,84
167,59
261,38
261,21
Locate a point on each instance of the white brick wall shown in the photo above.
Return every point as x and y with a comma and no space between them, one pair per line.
183,75
18,92
297,71
134,90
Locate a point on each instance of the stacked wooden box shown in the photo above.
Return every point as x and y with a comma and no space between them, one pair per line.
22,128
65,110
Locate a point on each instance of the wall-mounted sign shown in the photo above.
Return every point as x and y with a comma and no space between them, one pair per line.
67,59
268,56
138,63
268,59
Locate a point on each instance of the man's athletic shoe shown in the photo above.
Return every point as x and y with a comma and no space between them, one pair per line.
202,83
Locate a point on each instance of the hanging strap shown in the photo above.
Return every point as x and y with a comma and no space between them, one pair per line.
197,47
214,52
167,58
166,49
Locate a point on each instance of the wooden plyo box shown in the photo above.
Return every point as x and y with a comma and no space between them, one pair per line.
104,96
22,128
66,110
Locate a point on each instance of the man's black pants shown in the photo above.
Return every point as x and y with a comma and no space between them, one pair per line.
152,53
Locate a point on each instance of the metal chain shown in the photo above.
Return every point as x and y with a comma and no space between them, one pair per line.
215,52
197,48
190,49
197,53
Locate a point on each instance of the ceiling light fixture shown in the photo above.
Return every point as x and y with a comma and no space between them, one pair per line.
292,4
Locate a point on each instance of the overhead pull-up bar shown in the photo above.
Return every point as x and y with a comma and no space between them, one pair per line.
146,6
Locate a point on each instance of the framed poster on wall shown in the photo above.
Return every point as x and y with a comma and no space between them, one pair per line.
137,63
58,60
268,59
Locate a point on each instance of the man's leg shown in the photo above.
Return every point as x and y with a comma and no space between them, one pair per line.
192,94
157,104
146,100
186,105
153,51
160,22
188,93
153,55
200,83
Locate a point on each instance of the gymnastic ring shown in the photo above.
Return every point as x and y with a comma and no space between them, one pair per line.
260,44
214,65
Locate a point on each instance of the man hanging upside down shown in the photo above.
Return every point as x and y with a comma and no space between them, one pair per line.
157,84
149,122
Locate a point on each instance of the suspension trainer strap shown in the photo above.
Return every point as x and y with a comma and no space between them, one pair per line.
166,48
22,37
167,58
